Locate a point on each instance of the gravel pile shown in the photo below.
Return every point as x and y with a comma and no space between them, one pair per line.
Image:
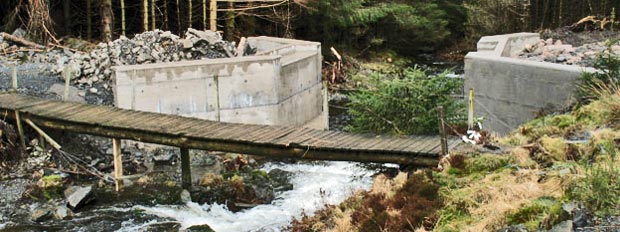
555,51
148,47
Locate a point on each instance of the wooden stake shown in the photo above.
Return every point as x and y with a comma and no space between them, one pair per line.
470,115
118,163
14,77
213,15
217,98
67,75
186,175
442,131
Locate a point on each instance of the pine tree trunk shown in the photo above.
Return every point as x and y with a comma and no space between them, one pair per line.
145,16
66,9
189,11
178,18
204,14
153,26
166,25
106,20
230,21
123,25
89,20
213,15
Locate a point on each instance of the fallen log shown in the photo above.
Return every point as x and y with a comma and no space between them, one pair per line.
20,41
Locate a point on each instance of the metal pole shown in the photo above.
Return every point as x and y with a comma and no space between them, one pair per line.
442,131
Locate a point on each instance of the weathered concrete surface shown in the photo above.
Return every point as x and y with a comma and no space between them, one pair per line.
511,91
281,86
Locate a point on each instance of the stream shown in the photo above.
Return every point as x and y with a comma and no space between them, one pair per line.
315,184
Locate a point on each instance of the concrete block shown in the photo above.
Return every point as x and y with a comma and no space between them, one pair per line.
280,87
510,91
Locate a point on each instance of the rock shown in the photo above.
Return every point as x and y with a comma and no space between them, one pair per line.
187,44
77,197
185,196
41,215
200,228
63,213
580,217
565,226
210,36
560,59
514,228
93,90
164,157
19,33
74,93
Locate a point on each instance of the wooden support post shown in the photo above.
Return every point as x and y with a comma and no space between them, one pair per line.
217,98
442,131
186,175
20,130
67,75
18,120
213,15
118,163
43,135
470,115
14,77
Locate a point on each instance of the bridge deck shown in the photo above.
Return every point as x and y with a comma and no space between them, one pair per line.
274,141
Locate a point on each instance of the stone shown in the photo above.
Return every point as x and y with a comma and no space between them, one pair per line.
514,228
41,215
77,197
164,157
63,213
560,58
93,90
185,196
200,228
187,44
565,226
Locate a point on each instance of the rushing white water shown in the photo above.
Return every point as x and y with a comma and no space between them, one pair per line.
314,186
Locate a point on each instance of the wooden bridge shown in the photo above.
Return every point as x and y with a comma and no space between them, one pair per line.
191,133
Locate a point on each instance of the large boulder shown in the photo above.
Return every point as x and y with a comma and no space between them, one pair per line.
77,197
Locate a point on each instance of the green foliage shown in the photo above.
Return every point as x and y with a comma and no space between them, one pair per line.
599,189
401,25
536,213
486,163
608,64
403,103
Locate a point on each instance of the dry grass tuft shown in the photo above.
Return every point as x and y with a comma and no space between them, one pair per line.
488,201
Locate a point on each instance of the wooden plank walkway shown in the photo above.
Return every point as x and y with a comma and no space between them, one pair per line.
192,133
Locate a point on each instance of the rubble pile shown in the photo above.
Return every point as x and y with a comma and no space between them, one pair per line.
149,47
557,52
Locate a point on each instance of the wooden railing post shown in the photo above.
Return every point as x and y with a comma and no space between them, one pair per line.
442,131
18,119
186,175
118,163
